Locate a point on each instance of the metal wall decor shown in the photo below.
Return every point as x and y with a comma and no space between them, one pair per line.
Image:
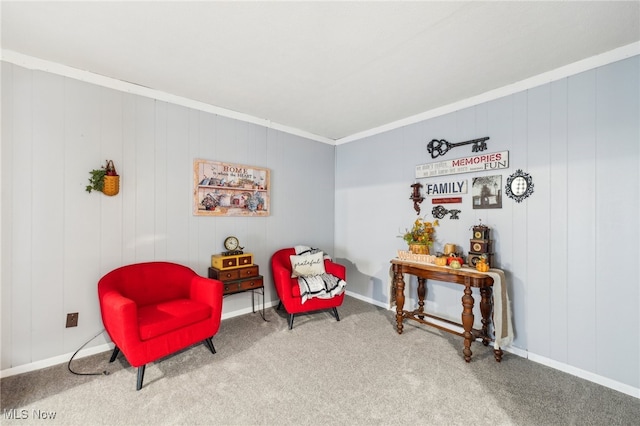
519,186
416,197
438,147
440,212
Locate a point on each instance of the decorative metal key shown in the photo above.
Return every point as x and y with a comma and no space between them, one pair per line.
440,212
438,147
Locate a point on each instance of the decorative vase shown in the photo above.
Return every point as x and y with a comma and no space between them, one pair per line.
419,248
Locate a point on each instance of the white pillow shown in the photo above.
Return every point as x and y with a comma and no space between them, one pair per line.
307,265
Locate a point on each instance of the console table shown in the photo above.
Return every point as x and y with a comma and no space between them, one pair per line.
466,277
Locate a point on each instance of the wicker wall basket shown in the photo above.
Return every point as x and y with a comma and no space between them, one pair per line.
111,185
111,180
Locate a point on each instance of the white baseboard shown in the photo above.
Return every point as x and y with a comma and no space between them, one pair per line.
60,359
587,375
523,353
583,374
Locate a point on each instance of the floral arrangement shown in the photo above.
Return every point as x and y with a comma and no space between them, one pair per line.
422,233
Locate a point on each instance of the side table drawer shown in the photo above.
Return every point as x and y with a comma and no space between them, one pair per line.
230,275
243,285
250,271
234,274
251,283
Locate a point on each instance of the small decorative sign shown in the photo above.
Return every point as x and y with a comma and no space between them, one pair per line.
446,188
475,163
450,200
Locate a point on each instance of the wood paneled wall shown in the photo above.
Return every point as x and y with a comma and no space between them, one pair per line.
58,240
570,251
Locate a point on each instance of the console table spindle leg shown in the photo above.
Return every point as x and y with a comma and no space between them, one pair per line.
422,292
467,320
485,308
398,282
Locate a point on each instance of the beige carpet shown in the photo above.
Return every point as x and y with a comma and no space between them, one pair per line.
323,372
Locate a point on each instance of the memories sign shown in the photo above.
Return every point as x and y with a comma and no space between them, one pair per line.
475,163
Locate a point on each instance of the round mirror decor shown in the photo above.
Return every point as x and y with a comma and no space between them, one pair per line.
519,185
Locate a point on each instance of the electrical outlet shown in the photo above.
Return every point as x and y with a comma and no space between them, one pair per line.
72,320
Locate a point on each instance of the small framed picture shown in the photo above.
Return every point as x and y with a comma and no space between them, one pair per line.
487,192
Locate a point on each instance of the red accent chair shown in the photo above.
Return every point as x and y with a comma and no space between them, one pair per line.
289,291
151,310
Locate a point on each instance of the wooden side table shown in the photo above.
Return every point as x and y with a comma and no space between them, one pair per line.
239,280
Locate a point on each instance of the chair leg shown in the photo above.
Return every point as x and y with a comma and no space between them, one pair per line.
140,377
209,345
335,314
114,355
279,305
290,321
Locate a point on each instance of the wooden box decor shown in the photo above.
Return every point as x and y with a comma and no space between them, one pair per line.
473,258
222,262
480,246
481,232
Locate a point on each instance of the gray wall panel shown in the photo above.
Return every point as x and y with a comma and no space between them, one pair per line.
617,206
579,139
56,129
582,226
558,225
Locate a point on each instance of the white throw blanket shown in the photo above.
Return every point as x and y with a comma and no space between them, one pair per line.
502,326
324,286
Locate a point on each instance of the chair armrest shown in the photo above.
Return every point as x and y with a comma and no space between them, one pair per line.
207,290
120,318
335,269
282,280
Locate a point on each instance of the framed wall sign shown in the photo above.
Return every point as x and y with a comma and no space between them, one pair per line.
226,189
474,163
487,192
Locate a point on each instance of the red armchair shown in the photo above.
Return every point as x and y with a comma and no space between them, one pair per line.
154,309
289,291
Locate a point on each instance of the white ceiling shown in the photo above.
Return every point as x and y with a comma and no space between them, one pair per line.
332,69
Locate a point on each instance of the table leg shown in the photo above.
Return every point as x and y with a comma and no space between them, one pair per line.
467,320
422,292
398,283
485,308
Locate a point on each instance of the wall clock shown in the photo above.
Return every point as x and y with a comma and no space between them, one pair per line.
519,185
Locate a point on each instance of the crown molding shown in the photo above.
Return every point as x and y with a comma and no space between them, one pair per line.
34,63
611,56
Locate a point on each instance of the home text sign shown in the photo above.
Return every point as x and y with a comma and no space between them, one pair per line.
446,188
475,163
